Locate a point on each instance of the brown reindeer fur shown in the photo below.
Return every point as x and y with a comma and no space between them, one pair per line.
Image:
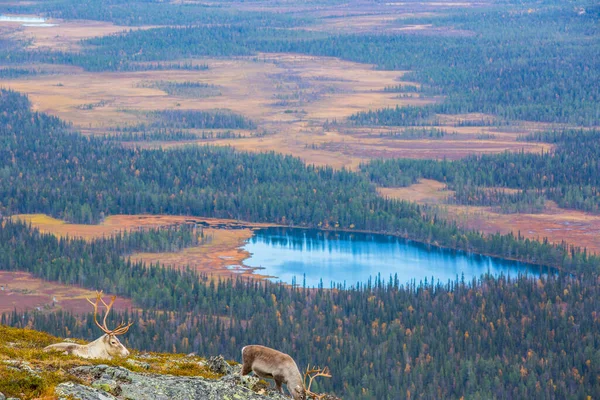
269,363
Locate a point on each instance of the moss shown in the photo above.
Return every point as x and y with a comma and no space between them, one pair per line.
16,383
10,335
165,363
103,386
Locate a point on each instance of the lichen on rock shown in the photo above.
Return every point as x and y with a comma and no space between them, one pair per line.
122,383
71,390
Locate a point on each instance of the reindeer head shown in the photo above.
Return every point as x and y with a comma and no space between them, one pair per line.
112,344
298,392
312,374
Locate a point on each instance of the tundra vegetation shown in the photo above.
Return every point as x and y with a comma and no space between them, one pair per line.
521,64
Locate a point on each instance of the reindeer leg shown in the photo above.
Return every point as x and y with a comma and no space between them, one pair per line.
246,369
278,383
67,348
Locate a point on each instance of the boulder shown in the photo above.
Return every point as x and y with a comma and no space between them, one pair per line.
218,365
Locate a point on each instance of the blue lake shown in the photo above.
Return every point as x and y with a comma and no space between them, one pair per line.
312,256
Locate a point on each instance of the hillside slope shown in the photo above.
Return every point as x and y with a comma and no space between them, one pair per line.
26,372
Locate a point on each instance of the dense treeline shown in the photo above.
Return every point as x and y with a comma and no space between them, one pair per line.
417,133
493,338
569,175
398,116
192,119
157,240
184,89
144,133
521,201
45,169
417,116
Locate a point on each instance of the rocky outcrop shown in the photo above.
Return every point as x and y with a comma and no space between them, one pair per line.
104,382
109,383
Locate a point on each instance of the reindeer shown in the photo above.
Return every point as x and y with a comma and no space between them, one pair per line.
272,364
106,346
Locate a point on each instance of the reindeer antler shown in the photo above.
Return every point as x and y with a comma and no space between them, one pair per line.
120,329
311,374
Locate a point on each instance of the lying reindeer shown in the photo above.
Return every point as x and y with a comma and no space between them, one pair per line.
106,346
272,364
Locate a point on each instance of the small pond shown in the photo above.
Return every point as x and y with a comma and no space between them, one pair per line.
26,20
23,19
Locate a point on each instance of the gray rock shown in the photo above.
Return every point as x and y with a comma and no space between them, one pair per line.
105,372
136,363
70,390
246,381
218,365
141,386
2,397
19,365
119,373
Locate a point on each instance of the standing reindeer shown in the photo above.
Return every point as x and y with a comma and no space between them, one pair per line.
272,364
106,346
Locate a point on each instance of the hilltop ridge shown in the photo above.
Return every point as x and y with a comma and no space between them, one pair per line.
26,372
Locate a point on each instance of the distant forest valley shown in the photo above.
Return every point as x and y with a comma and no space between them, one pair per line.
146,140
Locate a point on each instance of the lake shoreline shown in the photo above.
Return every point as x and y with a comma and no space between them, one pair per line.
292,254
255,226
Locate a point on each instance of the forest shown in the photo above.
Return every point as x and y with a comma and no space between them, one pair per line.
492,337
47,168
502,338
